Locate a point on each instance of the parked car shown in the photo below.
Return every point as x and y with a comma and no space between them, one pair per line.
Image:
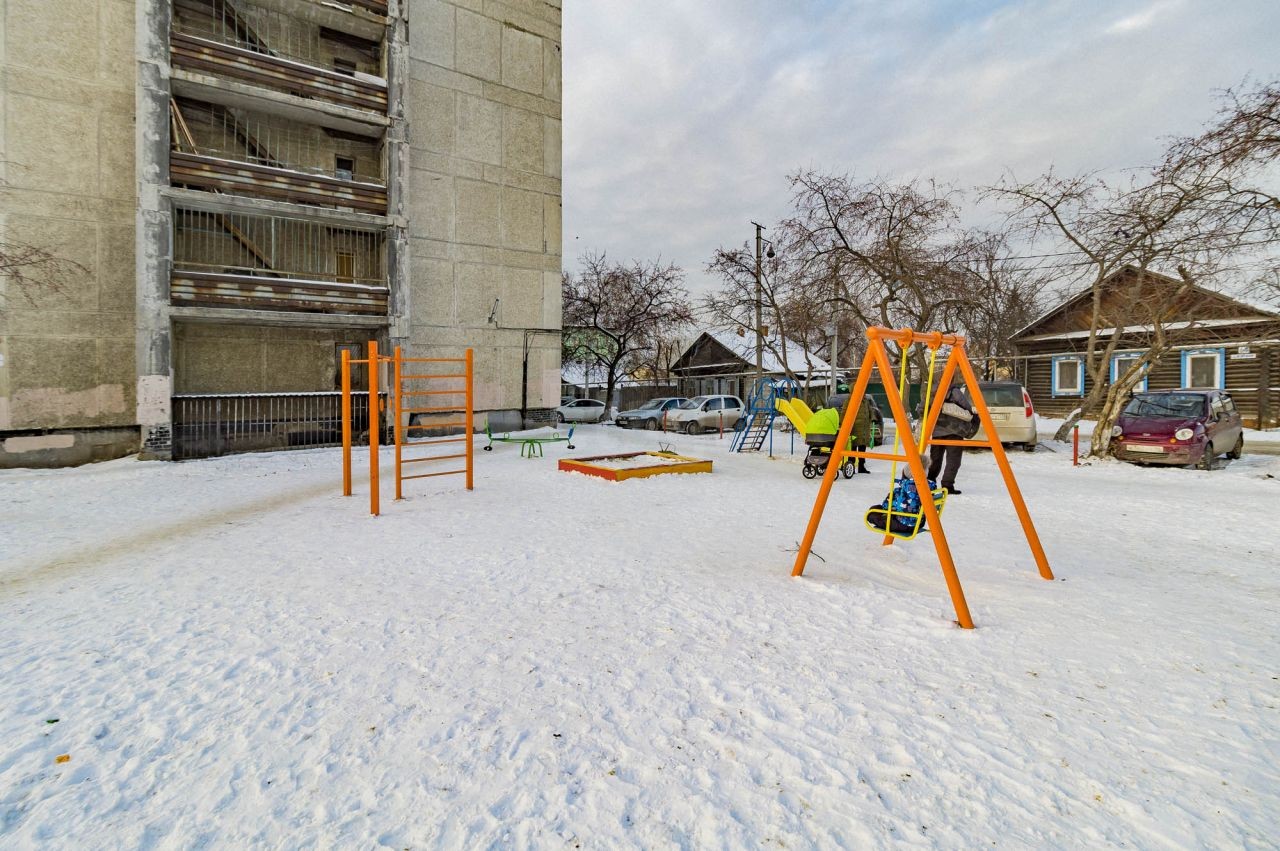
1178,427
649,415
704,412
581,411
564,400
1011,412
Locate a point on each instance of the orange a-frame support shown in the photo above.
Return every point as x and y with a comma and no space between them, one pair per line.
877,358
399,380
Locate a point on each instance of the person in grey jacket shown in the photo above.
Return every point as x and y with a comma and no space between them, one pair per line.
957,421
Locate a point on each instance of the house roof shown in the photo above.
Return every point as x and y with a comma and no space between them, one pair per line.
744,350
1252,308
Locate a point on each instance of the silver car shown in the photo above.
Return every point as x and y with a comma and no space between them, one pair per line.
705,412
1011,413
650,414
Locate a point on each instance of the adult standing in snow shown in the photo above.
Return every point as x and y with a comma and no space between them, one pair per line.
860,437
957,421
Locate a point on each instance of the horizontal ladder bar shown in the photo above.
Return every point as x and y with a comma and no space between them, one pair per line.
429,475
432,458
433,442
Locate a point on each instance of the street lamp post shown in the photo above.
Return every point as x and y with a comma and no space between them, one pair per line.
759,303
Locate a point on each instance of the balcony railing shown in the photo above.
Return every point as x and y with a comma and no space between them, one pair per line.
236,178
364,92
276,263
252,292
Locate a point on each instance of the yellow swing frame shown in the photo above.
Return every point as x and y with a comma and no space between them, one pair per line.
877,360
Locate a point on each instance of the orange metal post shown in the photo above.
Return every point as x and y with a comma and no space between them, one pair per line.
912,451
346,422
837,457
470,415
398,405
980,404
374,425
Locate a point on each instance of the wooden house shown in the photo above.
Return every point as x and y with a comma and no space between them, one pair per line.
724,362
1218,341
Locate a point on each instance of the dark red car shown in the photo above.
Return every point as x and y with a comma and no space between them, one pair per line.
1178,427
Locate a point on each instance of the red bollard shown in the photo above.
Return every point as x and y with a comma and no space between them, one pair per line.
1075,445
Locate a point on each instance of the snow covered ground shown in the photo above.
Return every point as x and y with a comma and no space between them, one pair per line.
233,655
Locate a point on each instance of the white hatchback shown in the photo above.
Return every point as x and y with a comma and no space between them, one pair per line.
1011,413
580,411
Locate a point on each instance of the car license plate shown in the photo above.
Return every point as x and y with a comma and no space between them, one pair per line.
997,418
1142,447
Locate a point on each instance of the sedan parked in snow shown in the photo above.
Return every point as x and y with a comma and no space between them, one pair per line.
581,411
1178,427
705,412
1011,413
649,415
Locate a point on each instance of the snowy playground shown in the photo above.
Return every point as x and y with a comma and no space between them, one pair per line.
228,653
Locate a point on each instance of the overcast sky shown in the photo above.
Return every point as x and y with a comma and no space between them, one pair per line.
683,118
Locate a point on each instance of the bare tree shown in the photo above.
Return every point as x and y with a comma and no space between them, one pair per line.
884,253
32,270
792,318
620,309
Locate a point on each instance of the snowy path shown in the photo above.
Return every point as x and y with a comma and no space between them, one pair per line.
237,657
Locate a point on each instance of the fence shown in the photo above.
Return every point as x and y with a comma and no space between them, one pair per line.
206,425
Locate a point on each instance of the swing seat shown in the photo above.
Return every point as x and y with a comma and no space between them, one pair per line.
904,525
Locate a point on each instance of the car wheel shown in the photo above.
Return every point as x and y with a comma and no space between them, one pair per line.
1029,447
694,428
651,424
1237,450
1206,460
557,418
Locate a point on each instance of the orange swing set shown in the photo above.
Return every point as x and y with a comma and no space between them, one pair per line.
877,359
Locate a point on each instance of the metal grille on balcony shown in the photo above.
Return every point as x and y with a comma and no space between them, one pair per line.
220,149
271,262
271,33
207,424
269,49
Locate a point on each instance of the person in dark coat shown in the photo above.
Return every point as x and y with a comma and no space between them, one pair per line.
957,421
860,437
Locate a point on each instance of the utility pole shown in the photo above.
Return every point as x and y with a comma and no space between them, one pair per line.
759,303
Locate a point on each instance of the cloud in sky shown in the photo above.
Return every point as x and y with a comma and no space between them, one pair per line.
682,118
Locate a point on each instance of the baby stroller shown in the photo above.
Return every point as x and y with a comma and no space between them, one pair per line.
819,455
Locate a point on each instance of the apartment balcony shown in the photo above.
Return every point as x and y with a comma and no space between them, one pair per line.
235,152
272,263
239,48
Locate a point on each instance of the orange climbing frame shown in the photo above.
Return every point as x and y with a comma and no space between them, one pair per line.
877,359
400,384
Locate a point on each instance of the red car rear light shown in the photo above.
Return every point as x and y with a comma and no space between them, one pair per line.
1026,401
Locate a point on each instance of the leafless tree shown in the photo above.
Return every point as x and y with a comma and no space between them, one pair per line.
793,320
33,271
617,311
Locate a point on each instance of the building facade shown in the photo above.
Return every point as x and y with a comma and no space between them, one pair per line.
246,188
1216,342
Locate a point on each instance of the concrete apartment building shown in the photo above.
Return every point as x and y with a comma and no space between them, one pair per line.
248,186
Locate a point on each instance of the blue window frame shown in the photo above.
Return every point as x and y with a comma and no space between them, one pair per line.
1204,369
1068,375
1119,363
